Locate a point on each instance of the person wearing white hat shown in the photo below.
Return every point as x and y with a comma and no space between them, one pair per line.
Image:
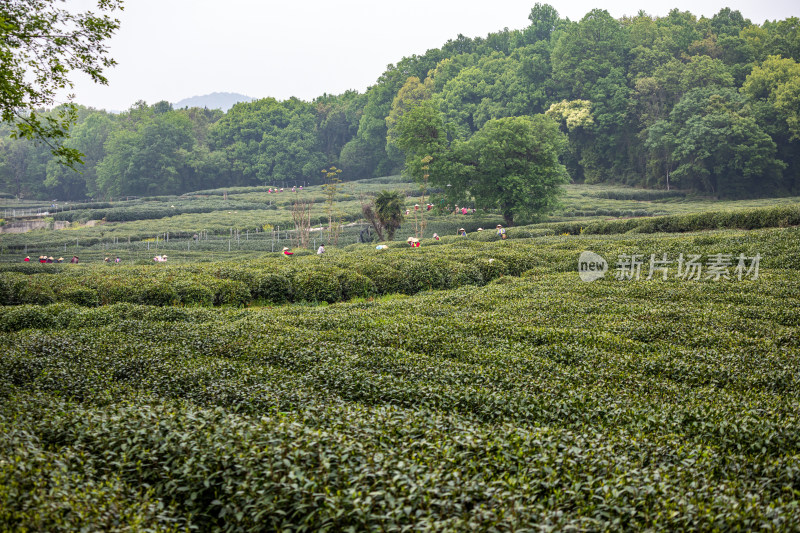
287,252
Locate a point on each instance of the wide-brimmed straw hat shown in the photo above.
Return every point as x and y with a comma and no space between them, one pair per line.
284,248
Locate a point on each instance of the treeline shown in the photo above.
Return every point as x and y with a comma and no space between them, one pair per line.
709,104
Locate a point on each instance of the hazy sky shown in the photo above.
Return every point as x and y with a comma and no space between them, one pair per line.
174,49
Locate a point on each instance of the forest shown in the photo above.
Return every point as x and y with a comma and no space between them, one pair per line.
710,105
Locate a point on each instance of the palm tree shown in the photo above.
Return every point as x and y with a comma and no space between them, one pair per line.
389,209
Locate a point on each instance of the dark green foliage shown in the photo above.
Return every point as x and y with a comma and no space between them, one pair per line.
275,288
159,294
317,285
16,289
632,74
386,278
193,293
229,292
355,285
767,217
533,400
85,296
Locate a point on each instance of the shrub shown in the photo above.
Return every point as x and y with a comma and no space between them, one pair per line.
158,293
355,285
317,285
387,279
18,289
275,288
192,292
84,296
230,292
492,268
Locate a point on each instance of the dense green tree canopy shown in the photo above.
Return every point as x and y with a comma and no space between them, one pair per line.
716,145
628,93
512,164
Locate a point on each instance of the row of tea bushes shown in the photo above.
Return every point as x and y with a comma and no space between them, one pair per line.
360,271
537,402
641,195
149,212
780,216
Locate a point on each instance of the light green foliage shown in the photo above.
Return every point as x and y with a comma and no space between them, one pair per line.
777,82
574,114
410,94
41,44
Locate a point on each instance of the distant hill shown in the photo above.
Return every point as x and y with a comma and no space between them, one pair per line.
222,101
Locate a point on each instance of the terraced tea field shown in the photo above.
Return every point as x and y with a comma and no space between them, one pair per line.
466,386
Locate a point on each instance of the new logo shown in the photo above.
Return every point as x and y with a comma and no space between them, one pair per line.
591,266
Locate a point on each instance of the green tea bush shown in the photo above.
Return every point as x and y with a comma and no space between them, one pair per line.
230,292
386,278
420,275
78,295
529,402
23,317
492,268
355,285
317,285
636,194
18,289
460,274
274,288
31,268
160,294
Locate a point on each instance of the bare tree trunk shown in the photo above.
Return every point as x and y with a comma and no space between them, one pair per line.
301,215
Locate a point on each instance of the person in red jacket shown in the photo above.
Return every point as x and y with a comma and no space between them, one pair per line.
27,259
287,252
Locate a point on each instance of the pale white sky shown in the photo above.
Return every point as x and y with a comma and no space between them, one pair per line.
175,49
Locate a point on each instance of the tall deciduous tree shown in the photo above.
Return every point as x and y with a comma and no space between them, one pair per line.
270,141
512,164
773,92
148,157
41,44
716,146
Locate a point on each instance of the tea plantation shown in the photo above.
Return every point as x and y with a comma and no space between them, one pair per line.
470,385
